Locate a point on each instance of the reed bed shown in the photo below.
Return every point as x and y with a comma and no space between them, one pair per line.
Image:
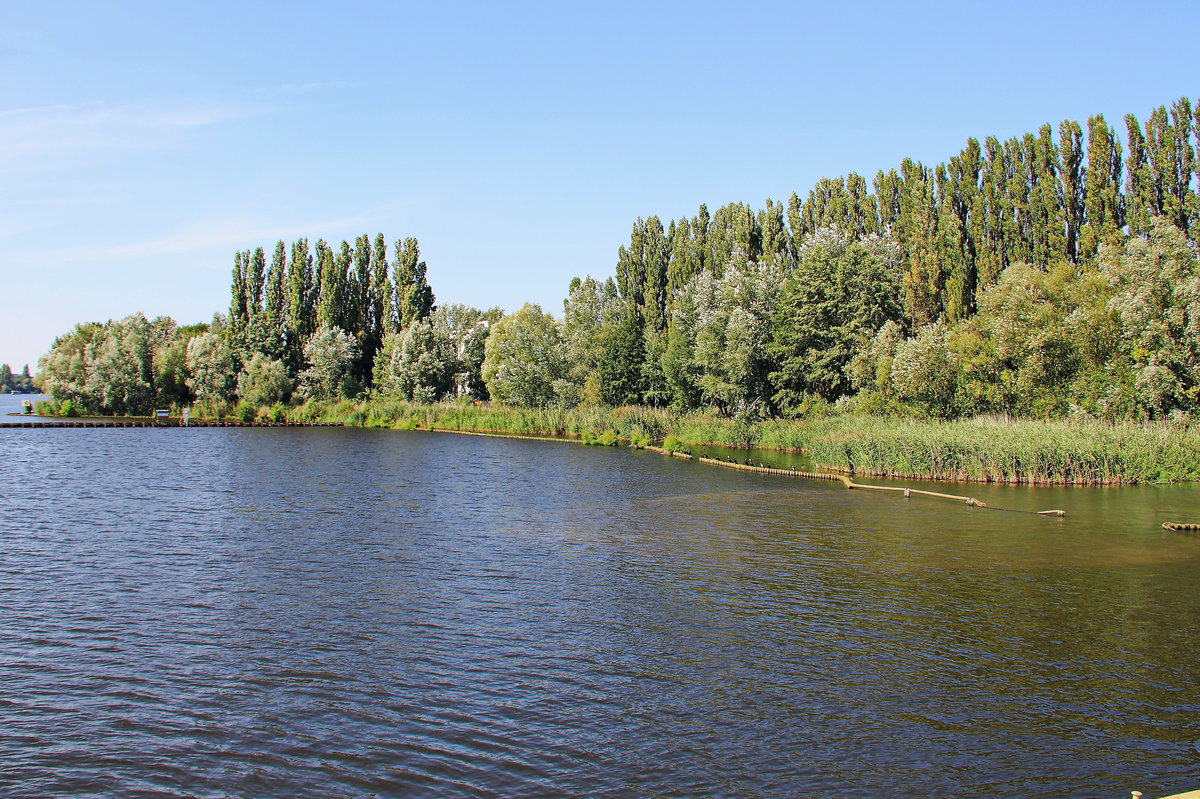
987,449
1003,451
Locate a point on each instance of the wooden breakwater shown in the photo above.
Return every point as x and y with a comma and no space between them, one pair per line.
173,424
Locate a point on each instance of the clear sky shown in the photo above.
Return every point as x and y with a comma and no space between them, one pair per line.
143,143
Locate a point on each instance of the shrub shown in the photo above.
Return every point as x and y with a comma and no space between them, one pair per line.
244,412
278,412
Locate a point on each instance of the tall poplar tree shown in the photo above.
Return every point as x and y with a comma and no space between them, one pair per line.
1018,224
255,275
1070,155
1103,204
777,248
236,332
888,190
924,279
1170,158
957,185
991,247
1139,185
360,308
863,212
383,307
733,237
1048,224
275,304
332,281
414,297
301,319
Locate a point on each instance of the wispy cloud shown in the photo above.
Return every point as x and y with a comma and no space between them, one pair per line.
52,136
306,88
207,235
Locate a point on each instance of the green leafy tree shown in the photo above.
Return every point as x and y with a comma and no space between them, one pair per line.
332,269
841,292
924,279
924,372
301,303
359,311
170,366
238,319
524,359
263,381
210,370
1070,153
105,369
1103,204
414,297
591,314
383,302
1156,297
777,245
418,364
330,355
726,321
466,329
621,371
274,318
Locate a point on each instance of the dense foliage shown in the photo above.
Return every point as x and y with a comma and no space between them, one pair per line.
1049,275
16,384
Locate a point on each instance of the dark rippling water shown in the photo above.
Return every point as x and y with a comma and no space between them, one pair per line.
330,612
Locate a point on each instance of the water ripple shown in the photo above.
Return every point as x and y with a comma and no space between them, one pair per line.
321,613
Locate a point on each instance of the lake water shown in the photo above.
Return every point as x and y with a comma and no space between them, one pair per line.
319,612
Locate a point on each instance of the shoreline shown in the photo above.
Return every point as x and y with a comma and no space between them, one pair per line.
986,450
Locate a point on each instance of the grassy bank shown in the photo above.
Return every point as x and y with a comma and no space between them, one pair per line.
983,450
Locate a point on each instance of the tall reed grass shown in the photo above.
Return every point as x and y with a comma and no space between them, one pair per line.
986,449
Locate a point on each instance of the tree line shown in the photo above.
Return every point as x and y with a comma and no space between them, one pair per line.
16,384
1048,274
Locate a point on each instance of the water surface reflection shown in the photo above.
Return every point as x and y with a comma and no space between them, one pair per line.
316,612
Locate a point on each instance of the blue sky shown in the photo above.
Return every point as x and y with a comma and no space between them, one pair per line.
142,143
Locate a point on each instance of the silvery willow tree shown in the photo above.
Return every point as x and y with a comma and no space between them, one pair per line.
330,354
104,368
417,364
717,352
210,369
263,381
524,360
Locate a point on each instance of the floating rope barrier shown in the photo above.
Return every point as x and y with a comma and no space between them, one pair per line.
846,481
968,500
1181,527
